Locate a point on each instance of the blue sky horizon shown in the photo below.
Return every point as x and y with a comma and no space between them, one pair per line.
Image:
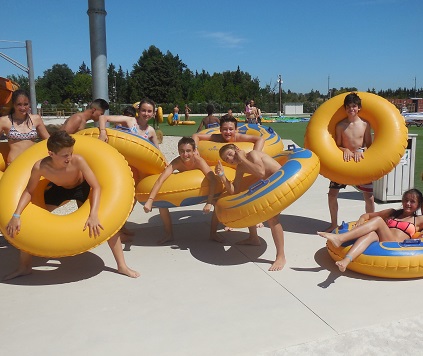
313,45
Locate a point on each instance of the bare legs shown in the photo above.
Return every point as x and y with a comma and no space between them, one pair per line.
116,247
167,222
365,234
333,209
24,267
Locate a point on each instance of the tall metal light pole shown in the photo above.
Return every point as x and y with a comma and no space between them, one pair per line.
329,93
280,94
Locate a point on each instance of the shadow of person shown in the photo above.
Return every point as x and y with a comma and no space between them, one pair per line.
302,224
50,271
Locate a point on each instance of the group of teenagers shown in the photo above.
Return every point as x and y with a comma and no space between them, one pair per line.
72,179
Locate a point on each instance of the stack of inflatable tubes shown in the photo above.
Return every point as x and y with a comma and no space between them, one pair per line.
170,120
386,259
273,145
269,197
180,189
159,114
138,151
390,139
48,235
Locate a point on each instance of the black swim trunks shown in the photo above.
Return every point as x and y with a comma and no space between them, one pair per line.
334,185
56,195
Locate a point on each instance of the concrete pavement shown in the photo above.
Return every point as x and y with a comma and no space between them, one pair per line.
199,297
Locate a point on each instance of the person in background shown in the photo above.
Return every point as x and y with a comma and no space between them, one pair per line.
78,121
187,112
210,120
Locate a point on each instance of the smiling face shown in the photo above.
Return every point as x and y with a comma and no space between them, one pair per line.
186,152
410,203
352,110
228,131
21,105
146,111
229,156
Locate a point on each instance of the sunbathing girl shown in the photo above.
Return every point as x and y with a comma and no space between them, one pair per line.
385,225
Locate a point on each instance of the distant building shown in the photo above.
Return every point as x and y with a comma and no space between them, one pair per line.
408,105
293,109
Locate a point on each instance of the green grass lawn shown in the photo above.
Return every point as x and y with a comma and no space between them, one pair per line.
295,132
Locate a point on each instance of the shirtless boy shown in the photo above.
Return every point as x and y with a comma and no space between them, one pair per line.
78,121
353,137
70,178
260,165
228,134
187,160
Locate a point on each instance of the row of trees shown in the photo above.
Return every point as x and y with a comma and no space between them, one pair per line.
168,81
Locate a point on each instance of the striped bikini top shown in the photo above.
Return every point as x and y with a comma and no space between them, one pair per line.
15,135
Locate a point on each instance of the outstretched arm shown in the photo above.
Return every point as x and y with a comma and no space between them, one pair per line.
157,185
257,140
14,225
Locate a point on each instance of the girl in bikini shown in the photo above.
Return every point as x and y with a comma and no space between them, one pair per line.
21,128
385,225
137,126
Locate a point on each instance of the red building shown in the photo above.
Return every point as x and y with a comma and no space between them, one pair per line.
408,105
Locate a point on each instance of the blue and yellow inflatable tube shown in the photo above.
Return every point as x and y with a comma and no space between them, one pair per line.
49,235
273,144
180,189
386,259
269,197
390,139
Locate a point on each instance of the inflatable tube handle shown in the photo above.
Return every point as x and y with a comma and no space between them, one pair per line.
258,185
410,242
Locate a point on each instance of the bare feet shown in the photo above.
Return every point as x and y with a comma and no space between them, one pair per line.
278,264
342,264
216,237
259,225
21,271
165,239
128,272
252,240
331,228
334,238
227,228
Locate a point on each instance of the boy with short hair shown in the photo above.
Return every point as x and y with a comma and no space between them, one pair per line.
260,165
353,137
78,121
70,178
188,160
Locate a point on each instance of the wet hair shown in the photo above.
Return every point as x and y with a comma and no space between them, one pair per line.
352,98
224,148
186,141
100,104
15,95
58,140
147,101
130,111
228,118
210,109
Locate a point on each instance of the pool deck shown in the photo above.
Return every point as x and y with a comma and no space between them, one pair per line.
199,297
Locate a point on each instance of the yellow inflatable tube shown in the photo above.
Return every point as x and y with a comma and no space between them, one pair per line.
269,197
159,114
273,144
49,235
180,189
170,120
139,152
388,259
390,139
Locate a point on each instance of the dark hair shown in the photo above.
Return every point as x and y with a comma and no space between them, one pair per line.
210,109
416,192
15,95
100,104
228,118
130,111
186,141
224,148
147,101
352,98
58,140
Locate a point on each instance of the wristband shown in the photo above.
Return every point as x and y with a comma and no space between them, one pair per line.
221,174
16,215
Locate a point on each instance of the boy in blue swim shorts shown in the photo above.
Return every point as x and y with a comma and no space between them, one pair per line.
353,137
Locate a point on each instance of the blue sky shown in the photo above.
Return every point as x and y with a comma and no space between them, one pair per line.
357,43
